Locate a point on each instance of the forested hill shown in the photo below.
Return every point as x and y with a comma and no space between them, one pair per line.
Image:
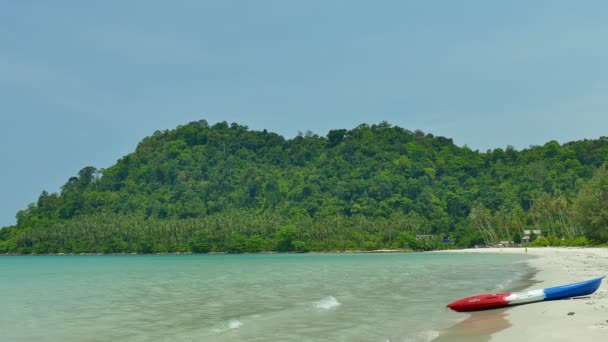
226,188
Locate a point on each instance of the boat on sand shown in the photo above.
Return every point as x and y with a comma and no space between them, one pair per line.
500,300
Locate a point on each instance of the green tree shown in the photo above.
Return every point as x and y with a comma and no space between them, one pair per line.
288,239
592,206
199,245
517,238
407,240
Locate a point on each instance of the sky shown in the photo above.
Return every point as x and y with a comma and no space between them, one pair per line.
82,82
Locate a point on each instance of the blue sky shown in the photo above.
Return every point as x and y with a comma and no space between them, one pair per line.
81,82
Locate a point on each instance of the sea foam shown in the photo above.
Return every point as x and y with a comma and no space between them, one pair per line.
227,326
327,303
234,324
507,283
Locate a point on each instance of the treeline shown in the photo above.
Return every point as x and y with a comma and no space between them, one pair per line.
234,232
225,188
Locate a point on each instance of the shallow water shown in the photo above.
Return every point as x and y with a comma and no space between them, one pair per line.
286,297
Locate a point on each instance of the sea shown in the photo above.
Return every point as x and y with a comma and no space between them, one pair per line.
250,297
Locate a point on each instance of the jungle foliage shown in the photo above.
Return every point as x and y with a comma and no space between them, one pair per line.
201,188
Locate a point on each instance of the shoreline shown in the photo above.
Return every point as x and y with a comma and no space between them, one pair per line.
585,319
353,251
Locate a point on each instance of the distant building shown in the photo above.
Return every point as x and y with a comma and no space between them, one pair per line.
503,244
527,233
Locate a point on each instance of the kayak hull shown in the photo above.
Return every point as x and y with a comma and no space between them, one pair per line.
500,300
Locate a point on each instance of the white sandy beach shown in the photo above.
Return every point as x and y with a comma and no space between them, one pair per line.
562,320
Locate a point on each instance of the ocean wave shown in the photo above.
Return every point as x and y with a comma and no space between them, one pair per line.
508,283
327,303
227,326
429,335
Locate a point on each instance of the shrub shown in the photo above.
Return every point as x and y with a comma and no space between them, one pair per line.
540,242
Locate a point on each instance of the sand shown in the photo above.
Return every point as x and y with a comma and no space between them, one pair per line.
583,319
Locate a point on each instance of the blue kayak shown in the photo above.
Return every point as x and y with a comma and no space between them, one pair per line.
573,290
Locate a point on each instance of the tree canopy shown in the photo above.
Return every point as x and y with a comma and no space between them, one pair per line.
223,187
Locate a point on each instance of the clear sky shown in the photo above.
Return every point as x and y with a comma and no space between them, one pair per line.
82,82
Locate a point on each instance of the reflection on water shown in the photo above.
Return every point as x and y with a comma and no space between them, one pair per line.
477,327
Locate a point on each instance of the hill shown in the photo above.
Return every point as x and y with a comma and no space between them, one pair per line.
224,187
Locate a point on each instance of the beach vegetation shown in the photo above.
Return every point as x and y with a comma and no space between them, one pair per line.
580,241
540,242
517,238
592,206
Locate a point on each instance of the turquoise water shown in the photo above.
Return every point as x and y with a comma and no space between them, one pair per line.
299,297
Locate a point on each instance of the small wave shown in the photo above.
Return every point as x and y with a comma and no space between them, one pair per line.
508,283
234,324
499,288
227,326
429,335
327,303
503,286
